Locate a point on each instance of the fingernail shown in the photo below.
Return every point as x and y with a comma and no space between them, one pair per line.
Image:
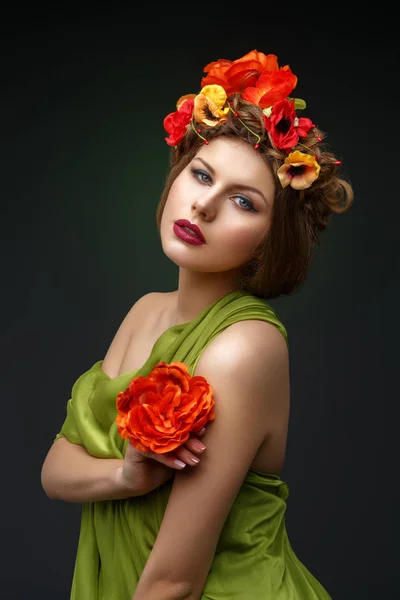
180,464
198,445
202,431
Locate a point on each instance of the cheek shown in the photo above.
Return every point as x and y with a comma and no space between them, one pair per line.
242,239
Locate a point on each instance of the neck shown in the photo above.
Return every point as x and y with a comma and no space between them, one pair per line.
198,290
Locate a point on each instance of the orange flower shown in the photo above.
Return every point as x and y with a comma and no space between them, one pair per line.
271,87
157,413
245,74
299,171
210,105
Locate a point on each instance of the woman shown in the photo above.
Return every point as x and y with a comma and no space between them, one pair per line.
250,187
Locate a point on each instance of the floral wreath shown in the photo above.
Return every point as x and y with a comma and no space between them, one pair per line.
258,79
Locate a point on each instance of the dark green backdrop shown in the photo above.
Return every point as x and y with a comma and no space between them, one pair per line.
83,160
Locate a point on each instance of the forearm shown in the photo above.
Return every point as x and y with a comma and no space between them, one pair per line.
71,474
162,591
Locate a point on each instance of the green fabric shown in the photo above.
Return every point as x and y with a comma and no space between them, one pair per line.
253,559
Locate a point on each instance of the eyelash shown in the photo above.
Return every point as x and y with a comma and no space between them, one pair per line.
198,172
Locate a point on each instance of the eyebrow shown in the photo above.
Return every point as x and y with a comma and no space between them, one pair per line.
242,185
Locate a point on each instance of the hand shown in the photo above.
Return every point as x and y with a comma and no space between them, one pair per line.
144,471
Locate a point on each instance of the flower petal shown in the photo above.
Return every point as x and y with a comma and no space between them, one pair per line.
305,180
298,158
283,175
304,125
216,94
253,95
183,99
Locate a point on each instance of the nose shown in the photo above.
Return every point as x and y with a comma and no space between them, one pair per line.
205,206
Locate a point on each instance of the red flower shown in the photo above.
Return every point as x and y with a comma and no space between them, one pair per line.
176,123
158,412
280,125
284,126
303,126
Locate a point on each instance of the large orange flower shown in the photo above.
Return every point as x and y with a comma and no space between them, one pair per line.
271,87
245,73
157,413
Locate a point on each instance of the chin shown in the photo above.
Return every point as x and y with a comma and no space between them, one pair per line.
197,263
184,261
199,258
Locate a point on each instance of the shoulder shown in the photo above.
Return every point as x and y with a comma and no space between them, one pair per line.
138,311
247,365
146,307
144,302
251,342
153,300
138,315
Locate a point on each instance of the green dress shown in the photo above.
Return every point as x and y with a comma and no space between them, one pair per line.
253,559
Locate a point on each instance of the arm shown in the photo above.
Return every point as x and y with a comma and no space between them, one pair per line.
71,474
247,366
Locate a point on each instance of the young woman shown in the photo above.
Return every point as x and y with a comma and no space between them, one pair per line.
250,187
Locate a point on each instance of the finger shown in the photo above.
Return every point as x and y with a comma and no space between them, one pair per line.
168,459
194,445
186,456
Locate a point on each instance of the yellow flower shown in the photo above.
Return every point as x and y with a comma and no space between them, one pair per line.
209,105
299,171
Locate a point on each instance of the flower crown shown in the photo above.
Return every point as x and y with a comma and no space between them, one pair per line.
258,79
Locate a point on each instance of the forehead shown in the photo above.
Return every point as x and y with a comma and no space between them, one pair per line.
237,159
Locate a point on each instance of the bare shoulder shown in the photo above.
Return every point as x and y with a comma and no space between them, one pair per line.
252,340
137,316
250,359
148,301
140,310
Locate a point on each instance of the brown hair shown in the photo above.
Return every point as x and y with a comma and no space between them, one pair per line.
283,256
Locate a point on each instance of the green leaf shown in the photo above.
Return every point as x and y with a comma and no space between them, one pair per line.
299,104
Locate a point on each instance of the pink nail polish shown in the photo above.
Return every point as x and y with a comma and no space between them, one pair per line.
198,445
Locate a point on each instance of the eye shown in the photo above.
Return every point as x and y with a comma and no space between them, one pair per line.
248,206
201,175
204,177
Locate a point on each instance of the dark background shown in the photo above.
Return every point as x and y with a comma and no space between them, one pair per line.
83,160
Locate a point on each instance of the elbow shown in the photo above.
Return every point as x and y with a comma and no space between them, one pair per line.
54,475
183,592
48,484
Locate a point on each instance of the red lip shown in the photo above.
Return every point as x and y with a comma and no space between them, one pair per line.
192,227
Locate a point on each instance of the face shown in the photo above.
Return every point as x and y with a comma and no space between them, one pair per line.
227,190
